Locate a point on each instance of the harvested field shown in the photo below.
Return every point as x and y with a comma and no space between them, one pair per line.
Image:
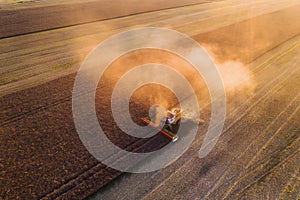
256,46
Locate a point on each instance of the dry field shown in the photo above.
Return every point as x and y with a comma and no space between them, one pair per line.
256,46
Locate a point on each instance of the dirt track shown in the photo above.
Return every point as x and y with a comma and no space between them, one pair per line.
42,155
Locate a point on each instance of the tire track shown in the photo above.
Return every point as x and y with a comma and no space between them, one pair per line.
231,168
223,182
278,136
292,186
277,178
265,165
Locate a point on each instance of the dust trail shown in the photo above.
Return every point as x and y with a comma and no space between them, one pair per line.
236,76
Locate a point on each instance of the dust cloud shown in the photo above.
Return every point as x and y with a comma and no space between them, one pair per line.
155,94
237,78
